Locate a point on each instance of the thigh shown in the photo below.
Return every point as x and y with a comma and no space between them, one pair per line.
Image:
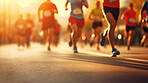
110,19
79,31
111,15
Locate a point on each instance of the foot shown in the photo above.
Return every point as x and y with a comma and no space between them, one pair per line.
70,42
48,48
102,40
75,49
115,52
98,48
128,48
91,43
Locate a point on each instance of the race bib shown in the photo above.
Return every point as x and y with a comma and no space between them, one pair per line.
131,20
112,0
47,13
97,18
77,11
20,26
29,25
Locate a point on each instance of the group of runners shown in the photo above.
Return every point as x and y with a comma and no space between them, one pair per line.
108,9
24,30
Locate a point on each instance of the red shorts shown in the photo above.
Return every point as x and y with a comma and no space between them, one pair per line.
79,22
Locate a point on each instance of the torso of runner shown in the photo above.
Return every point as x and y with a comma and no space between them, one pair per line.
111,3
76,9
145,8
144,22
29,25
130,18
48,9
20,25
97,14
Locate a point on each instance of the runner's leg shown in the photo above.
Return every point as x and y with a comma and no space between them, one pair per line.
112,24
130,38
50,37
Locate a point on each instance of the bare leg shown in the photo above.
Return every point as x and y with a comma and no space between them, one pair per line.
45,35
50,38
130,34
74,34
99,36
95,32
144,38
112,24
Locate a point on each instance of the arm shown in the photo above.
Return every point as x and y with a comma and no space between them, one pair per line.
39,15
55,10
66,4
90,16
84,3
141,16
123,17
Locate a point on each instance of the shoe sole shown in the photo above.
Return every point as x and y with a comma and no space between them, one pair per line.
70,43
102,40
115,54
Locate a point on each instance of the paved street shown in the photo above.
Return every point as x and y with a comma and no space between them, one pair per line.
61,65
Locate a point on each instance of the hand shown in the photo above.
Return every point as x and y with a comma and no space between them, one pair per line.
79,1
66,8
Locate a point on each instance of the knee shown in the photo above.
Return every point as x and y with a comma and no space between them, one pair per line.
112,25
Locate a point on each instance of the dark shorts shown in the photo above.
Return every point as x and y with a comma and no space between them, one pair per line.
128,28
145,29
113,11
96,24
48,24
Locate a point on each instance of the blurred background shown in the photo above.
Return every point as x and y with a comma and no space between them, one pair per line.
11,9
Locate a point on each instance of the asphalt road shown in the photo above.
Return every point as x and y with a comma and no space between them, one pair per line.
61,65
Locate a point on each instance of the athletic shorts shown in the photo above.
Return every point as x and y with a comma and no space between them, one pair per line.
113,11
145,29
128,28
79,22
48,24
96,24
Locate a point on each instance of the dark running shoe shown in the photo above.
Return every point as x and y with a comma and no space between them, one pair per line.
102,40
75,49
115,52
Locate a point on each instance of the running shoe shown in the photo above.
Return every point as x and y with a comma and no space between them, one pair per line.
48,48
91,43
102,40
115,52
128,48
75,49
98,48
70,42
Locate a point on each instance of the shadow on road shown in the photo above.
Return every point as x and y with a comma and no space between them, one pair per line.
106,60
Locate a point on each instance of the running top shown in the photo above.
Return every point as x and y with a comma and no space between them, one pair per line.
144,15
111,3
145,7
130,18
144,22
20,26
76,9
48,10
97,14
29,23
